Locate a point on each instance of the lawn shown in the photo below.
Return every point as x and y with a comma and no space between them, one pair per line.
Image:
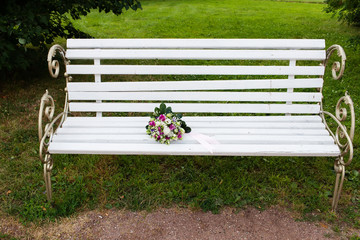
303,185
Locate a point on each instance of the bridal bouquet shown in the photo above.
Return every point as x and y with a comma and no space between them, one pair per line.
165,126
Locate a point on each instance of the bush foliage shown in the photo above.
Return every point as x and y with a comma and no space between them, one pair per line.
38,22
346,10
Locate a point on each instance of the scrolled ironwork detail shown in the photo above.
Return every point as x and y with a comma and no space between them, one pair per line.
53,64
342,133
48,166
337,68
47,109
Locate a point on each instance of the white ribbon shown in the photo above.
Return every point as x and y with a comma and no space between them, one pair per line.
206,141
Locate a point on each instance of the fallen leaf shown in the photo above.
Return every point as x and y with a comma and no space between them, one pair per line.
323,225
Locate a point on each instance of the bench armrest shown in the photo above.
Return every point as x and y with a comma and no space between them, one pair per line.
337,66
46,111
53,64
341,131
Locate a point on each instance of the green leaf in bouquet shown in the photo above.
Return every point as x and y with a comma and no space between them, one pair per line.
187,129
162,108
157,112
168,110
179,115
182,124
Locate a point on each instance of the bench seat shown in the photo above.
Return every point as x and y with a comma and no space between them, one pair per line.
237,136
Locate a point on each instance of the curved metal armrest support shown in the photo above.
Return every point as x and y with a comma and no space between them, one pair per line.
337,67
46,138
47,109
53,64
341,131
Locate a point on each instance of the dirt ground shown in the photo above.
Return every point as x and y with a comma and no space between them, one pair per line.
174,223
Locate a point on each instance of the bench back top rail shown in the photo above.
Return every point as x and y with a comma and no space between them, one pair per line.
287,89
198,43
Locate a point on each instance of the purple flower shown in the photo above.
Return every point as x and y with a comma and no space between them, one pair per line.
172,127
167,138
179,136
158,137
159,129
152,123
162,117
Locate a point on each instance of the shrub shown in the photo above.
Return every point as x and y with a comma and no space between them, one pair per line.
35,23
346,10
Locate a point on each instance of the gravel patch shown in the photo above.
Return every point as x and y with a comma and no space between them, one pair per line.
174,223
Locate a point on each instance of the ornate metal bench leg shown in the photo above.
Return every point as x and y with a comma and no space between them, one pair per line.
340,174
48,165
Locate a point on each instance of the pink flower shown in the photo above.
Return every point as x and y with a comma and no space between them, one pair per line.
152,123
179,136
162,117
172,127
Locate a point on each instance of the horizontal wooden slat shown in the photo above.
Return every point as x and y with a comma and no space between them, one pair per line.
199,96
205,124
228,119
196,54
194,70
194,107
195,149
207,131
223,139
198,43
194,85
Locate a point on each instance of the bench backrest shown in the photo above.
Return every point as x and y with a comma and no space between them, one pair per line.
271,80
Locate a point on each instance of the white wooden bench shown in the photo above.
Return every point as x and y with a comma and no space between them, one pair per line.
254,97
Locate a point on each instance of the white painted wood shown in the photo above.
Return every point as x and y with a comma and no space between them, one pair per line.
318,55
198,43
222,139
194,70
196,124
206,131
292,63
290,119
196,107
194,85
97,80
195,149
199,96
296,135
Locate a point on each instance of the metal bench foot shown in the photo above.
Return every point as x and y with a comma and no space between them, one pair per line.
48,165
340,174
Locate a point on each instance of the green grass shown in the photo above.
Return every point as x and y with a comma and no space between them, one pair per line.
6,237
303,185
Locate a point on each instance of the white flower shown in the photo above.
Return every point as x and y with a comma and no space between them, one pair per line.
167,130
168,121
